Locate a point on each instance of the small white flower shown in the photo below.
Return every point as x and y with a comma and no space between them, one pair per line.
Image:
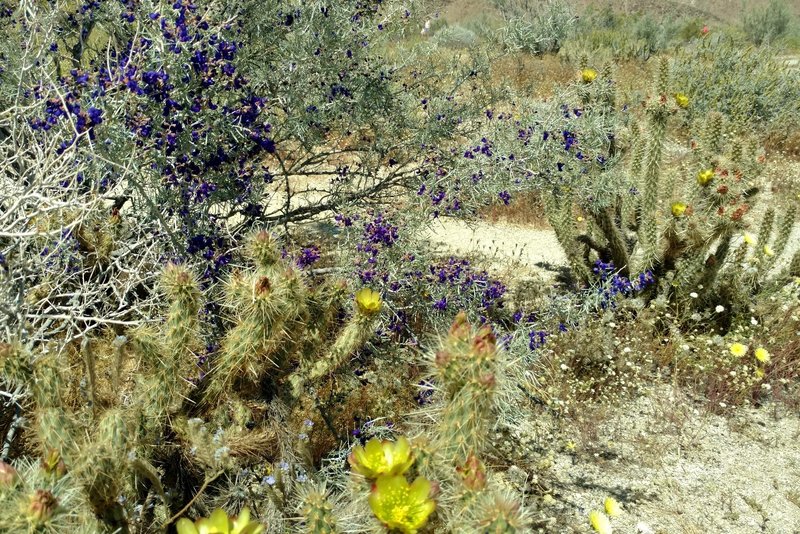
720,308
693,295
753,321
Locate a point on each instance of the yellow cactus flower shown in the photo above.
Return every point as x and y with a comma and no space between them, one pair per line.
738,349
749,239
705,176
400,505
678,209
378,458
220,523
768,251
763,355
682,100
368,301
600,522
588,75
613,509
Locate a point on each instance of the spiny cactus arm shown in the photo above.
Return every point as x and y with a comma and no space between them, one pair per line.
316,510
353,336
616,245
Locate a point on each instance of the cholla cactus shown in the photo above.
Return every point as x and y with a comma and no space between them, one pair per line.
466,368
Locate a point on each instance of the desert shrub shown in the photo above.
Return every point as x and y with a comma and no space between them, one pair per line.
604,34
535,29
745,83
768,23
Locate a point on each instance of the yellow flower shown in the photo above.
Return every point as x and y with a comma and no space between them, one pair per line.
378,458
682,100
763,355
678,209
400,505
738,350
220,523
600,522
705,176
749,239
368,302
768,251
579,218
613,509
588,75
759,373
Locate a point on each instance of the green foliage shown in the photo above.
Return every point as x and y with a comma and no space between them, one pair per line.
746,84
767,24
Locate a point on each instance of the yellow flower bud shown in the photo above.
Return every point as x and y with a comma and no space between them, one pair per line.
682,100
705,176
588,75
678,209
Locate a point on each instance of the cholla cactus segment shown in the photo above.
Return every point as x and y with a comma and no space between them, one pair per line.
378,458
368,302
262,249
500,515
316,510
220,523
400,505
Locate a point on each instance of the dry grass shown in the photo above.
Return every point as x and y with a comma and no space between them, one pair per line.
525,209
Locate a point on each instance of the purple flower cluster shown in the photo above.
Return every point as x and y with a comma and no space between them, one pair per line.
63,255
613,285
307,256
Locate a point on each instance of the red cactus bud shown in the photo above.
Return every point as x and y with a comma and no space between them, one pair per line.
263,237
263,285
722,190
8,475
443,358
460,327
487,380
42,506
473,473
484,342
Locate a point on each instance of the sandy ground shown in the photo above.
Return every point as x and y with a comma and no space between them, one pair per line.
500,244
674,468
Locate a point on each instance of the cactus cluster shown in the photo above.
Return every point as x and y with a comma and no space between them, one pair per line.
690,229
140,409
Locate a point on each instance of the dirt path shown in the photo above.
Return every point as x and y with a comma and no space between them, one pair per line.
501,244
